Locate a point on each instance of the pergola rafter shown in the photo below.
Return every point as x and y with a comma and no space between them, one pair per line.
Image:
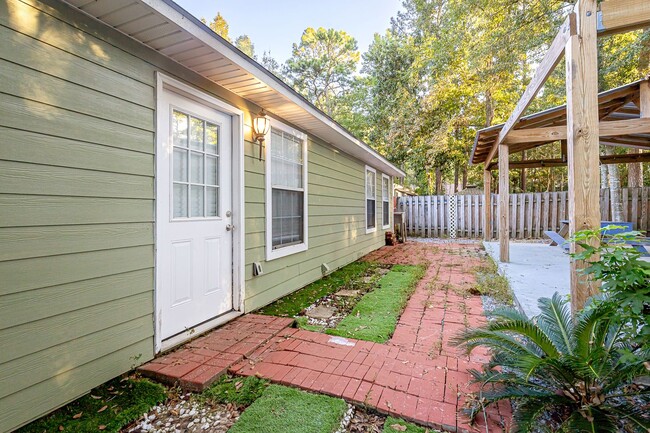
619,117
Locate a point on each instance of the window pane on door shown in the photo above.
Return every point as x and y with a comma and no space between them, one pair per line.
180,124
196,201
211,170
180,165
195,173
211,139
211,201
180,200
196,133
196,168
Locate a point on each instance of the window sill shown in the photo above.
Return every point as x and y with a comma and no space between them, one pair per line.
385,227
284,252
372,230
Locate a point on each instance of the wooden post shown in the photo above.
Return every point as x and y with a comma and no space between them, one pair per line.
583,140
487,205
635,170
504,203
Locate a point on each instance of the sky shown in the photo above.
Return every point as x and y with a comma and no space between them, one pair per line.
275,25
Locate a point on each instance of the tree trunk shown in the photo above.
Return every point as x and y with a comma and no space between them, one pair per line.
489,109
438,180
522,174
635,172
614,182
455,179
603,176
464,177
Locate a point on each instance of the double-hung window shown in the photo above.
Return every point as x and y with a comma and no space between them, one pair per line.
286,189
371,203
385,201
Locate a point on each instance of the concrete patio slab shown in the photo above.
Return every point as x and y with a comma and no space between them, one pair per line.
535,271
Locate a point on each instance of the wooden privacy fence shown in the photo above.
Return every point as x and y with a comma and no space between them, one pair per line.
530,214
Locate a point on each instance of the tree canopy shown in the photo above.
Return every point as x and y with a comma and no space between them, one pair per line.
442,70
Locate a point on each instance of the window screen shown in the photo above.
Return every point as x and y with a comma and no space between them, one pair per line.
385,195
288,193
371,208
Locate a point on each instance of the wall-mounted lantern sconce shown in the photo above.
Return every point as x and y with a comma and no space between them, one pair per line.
261,126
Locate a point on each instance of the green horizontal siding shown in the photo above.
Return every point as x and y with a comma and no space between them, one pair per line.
336,221
77,199
77,117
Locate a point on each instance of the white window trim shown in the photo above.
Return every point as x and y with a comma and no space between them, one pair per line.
272,254
385,224
365,198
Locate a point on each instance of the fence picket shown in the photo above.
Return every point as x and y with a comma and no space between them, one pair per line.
530,214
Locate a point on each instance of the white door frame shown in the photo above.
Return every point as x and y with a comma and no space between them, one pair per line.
165,82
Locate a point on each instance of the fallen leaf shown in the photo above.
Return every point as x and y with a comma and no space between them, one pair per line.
77,416
61,428
398,427
238,385
96,397
102,427
102,409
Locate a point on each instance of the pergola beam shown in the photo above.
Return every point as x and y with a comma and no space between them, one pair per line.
615,128
544,70
619,16
630,158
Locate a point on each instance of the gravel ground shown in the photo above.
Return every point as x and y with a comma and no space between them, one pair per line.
186,415
366,422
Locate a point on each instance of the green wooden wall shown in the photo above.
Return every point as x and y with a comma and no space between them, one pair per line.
77,207
336,219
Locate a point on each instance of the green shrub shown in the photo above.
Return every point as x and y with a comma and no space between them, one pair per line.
624,276
565,375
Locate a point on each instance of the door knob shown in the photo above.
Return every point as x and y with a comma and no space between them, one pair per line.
228,214
229,227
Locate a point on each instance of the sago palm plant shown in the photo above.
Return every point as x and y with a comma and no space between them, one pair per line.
562,374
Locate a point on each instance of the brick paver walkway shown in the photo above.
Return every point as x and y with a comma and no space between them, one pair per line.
417,375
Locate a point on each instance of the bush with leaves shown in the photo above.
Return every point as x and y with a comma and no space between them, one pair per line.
625,277
563,374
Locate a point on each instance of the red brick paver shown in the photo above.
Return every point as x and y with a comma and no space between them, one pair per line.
417,375
196,365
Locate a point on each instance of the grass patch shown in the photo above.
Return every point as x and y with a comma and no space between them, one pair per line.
107,408
287,410
393,425
241,391
489,282
375,316
348,276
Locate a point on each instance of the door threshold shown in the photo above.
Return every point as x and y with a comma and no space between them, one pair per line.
194,332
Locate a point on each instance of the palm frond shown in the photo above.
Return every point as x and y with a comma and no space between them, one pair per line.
589,421
528,331
527,415
591,328
555,320
635,417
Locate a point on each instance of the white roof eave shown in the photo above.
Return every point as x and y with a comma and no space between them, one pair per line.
346,142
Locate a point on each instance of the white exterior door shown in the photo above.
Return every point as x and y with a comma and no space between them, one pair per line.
194,245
